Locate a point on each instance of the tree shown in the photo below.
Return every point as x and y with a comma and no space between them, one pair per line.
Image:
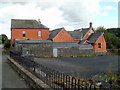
115,31
3,38
101,29
113,42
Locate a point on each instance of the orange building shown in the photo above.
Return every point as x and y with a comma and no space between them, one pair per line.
60,35
28,30
34,30
89,36
98,42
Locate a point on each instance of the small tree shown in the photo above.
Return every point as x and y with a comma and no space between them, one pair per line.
3,38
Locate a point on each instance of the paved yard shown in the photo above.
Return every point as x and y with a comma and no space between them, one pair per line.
84,67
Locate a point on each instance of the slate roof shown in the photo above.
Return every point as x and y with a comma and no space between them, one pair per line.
76,35
22,23
85,30
79,33
95,36
53,33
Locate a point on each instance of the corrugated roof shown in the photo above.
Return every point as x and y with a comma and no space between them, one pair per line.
65,44
71,44
22,23
95,36
33,41
53,33
85,46
57,44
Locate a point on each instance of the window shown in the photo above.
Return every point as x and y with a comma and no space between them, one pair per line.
99,45
39,33
23,33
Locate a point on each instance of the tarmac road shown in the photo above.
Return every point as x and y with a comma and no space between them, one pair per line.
82,67
10,79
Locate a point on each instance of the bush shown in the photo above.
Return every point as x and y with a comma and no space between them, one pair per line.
3,37
7,44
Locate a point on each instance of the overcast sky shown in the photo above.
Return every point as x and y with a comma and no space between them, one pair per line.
70,14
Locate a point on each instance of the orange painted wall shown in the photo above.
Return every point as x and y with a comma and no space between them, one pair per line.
101,40
31,34
77,41
63,36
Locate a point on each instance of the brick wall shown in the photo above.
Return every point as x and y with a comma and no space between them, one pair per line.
63,36
103,45
31,34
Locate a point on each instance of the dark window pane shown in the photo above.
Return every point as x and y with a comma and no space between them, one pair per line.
24,35
99,45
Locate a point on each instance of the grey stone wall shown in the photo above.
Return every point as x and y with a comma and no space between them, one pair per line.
39,50
100,53
69,52
45,49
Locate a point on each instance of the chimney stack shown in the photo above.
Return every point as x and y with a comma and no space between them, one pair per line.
90,25
39,21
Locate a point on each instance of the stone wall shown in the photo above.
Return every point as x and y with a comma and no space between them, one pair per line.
69,52
100,53
45,49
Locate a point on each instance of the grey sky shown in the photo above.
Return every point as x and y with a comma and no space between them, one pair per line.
71,14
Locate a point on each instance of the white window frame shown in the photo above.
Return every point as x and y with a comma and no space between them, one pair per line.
23,33
39,33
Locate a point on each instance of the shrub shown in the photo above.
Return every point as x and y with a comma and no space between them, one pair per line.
7,44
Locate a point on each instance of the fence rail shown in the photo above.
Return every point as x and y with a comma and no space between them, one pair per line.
51,77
